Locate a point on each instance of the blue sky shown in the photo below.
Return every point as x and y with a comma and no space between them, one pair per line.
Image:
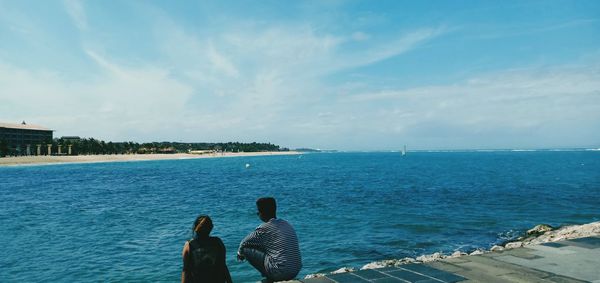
350,75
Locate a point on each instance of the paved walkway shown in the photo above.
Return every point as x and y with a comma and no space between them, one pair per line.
576,260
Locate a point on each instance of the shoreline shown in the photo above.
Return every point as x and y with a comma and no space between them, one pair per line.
82,159
537,235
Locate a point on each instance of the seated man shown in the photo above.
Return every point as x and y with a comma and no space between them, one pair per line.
273,247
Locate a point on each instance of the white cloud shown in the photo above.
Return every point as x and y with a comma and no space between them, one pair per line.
522,30
106,65
267,68
360,36
278,93
76,11
220,62
252,82
18,22
529,107
141,103
391,49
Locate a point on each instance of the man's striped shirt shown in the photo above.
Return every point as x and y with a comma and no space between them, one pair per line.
278,240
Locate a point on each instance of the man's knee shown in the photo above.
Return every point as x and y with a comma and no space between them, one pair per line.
256,258
253,253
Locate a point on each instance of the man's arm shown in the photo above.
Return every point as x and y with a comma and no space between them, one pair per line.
251,241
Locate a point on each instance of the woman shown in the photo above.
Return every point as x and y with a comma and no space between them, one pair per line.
204,256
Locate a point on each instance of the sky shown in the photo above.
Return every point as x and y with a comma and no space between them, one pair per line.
346,75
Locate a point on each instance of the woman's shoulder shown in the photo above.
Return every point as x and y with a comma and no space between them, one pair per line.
186,248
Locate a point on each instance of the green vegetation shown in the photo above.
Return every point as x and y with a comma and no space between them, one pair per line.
314,150
307,150
94,146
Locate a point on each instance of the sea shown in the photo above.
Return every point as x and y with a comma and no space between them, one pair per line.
128,221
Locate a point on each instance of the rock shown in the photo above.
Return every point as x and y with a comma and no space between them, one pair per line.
379,264
537,235
477,252
567,232
343,270
497,248
514,245
388,262
405,260
316,275
373,265
457,254
430,258
539,229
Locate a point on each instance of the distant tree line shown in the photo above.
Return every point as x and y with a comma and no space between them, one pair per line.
90,146
93,146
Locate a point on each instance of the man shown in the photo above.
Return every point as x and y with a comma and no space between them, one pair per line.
273,247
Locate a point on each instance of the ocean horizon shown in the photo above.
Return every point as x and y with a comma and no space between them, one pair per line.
128,221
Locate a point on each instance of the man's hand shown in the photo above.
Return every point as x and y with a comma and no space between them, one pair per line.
240,257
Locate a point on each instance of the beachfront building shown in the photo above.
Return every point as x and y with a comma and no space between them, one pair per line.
70,138
24,139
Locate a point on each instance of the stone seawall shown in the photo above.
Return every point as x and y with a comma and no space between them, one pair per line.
537,235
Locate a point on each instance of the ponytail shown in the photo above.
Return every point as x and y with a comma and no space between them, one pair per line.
202,226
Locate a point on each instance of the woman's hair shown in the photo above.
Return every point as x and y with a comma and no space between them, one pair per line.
203,225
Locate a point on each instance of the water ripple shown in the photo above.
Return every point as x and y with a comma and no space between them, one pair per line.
128,221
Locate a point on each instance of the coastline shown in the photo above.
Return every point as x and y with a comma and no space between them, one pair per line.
537,235
52,160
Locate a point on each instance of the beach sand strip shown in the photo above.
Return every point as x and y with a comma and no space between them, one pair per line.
48,160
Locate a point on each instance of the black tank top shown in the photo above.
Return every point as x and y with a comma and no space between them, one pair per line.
206,260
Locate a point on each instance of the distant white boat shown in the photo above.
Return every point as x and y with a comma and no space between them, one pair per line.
247,165
404,151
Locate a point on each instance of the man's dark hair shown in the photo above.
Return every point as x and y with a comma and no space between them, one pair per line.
267,206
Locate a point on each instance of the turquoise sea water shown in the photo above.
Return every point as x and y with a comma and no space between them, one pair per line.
124,222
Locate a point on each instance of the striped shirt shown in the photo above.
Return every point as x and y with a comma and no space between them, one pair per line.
278,240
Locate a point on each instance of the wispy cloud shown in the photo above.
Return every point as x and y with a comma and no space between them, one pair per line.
282,71
77,13
268,77
142,103
360,36
297,81
515,106
105,64
20,24
386,50
220,62
521,30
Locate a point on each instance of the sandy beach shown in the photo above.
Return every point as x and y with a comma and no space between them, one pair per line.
47,160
